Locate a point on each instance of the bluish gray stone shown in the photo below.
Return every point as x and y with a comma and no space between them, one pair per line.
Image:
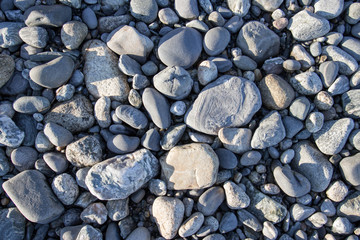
198,25
24,158
16,85
210,200
350,169
131,116
157,107
249,220
84,152
328,9
227,159
351,46
139,233
89,18
250,158
239,7
339,86
301,55
350,208
118,209
178,108
191,225
328,72
145,11
222,64
10,134
34,36
73,34
9,34
228,222
350,103
12,224
216,40
57,135
245,63
65,188
236,198
56,161
187,9
300,212
31,104
172,136
121,144
47,15
89,232
306,83
300,107
268,6
234,24
347,64
151,140
167,16
128,65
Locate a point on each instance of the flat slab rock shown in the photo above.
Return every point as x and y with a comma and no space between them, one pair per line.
191,166
120,176
228,102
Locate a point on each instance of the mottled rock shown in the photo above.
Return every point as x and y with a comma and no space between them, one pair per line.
95,213
65,188
84,152
7,67
239,7
73,34
9,36
236,140
306,83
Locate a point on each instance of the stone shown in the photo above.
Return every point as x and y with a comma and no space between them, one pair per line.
350,103
75,115
300,107
33,197
207,72
352,15
151,140
56,161
236,198
89,18
210,200
178,108
31,104
350,168
53,74
270,131
350,207
73,34
65,92
333,135
102,76
216,40
120,176
10,134
131,116
7,67
351,46
102,112
342,225
306,83
42,143
323,101
94,213
328,9
10,34
145,11
236,140
311,163
71,3
34,36
269,230
239,7
184,54
16,85
183,167
269,6
84,152
157,107
314,122
47,15
305,26
139,233
227,159
88,232
302,56
338,190
245,99
172,136
257,41
300,212
173,82
250,158
118,209
347,64
12,224
110,23
244,63
167,16
187,9
168,213
127,40
191,225
317,220
228,222
276,93
65,188
24,158
129,66
121,144
57,135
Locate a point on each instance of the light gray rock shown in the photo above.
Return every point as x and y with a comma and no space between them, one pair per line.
239,7
34,36
179,164
129,66
57,135
198,25
302,56
24,158
157,107
338,190
236,198
350,169
102,112
207,72
65,92
210,200
300,212
151,140
269,6
47,15
244,95
342,225
300,107
102,76
347,64
317,220
167,16
351,46
84,152
7,67
12,224
131,116
33,197
9,34
120,176
42,143
73,34
88,232
350,103
10,134
187,9
328,9
31,104
333,135
306,83
65,188
314,122
121,143
350,208
118,209
352,15
328,72
191,225
145,11
216,40
94,213
236,140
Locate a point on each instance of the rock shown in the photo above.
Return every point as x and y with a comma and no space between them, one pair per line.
184,54
54,73
352,13
292,183
89,18
350,208
12,224
120,176
73,34
56,161
7,67
102,76
333,135
57,135
47,15
347,64
244,63
182,167
351,46
210,200
127,40
187,9
23,5
350,103
71,3
258,41
269,6
300,107
306,83
129,66
342,226
328,9
350,168
227,159
140,81
354,139
65,188
151,140
300,212
302,56
172,136
75,115
236,140
216,40
102,112
317,220
191,225
323,101
139,233
207,72
178,108
168,213
157,107
31,104
311,163
228,222
167,16
10,34
145,11
33,197
174,82
65,92
338,190
110,23
24,158
239,7
95,213
250,158
242,93
118,209
270,231
276,93
42,143
236,198
314,122
10,134
131,116
34,36
270,131
306,26
121,144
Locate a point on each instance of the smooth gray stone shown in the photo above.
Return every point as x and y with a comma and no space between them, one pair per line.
351,46
187,9
140,81
73,34
157,107
350,103
4,165
215,236
121,144
227,159
216,41
355,30
149,68
7,68
33,197
112,232
128,40
268,6
354,138
47,15
81,175
198,25
16,85
311,163
23,5
120,176
306,83
144,10
12,224
172,136
239,91
339,86
188,42
10,134
34,36
354,80
128,65
27,124
151,140
270,131
300,107
24,158
239,7
31,104
167,16
306,26
328,9
245,63
58,135
54,73
257,41
109,23
139,233
72,3
56,161
70,232
174,82
350,208
350,169
9,34
228,222
333,135
292,183
328,72
249,220
234,24
347,64
302,55
191,225
300,212
131,116
89,18
210,200
250,158
236,198
84,152
222,64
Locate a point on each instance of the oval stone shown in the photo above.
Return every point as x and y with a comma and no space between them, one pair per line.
157,107
31,104
216,40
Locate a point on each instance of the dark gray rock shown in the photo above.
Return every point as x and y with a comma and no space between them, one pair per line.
227,159
109,23
27,124
244,63
250,158
118,209
131,116
12,224
16,85
216,40
84,152
24,158
7,67
89,18
10,134
10,34
139,233
172,136
47,15
121,144
31,104
228,222
350,169
157,107
56,161
145,11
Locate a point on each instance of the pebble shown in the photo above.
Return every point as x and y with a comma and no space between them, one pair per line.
7,67
300,107
250,158
42,143
65,93
337,190
84,152
145,11
301,55
339,86
10,134
108,24
236,198
31,104
10,34
131,116
184,55
139,233
352,15
349,167
270,231
172,136
89,18
210,200
347,64
314,122
207,72
257,41
94,213
73,34
56,161
317,220
349,207
216,40
328,9
236,140
133,170
311,163
342,225
157,107
191,225
300,212
227,159
129,66
89,232
187,9
354,139
333,135
245,63
157,187
228,222
351,46
179,164
57,135
47,15
239,7
167,16
118,209
12,224
306,83
328,208
121,144
102,112
34,36
151,140
349,103
328,72
33,197
24,158
270,131
178,108
65,188
102,76
173,82
323,101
